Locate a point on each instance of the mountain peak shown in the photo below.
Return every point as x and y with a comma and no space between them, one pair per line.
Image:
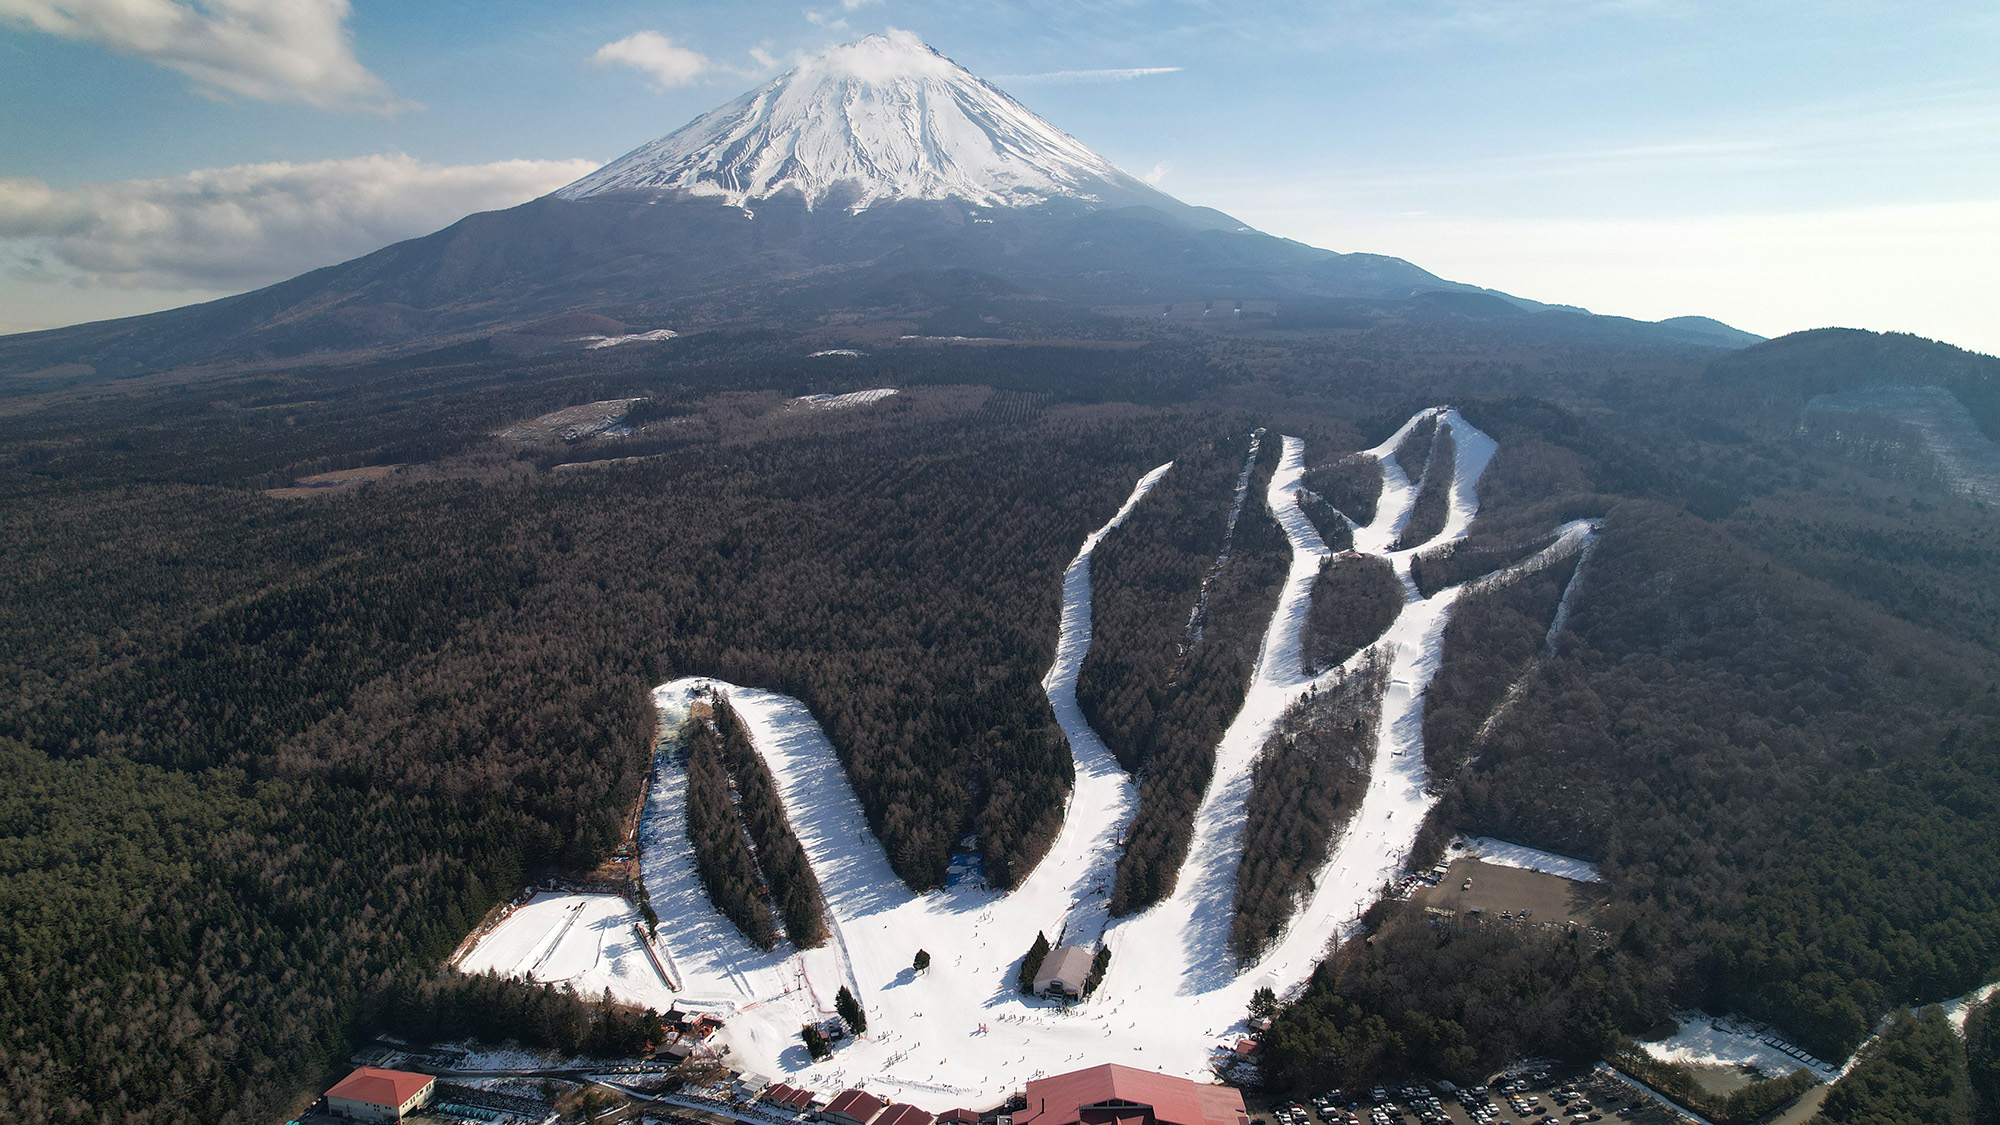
882,118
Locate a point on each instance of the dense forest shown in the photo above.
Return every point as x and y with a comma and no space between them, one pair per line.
1307,781
1496,632
1460,1003
1185,600
1785,810
780,858
269,759
1913,1071
1354,601
293,751
1339,489
722,857
1434,485
1982,1059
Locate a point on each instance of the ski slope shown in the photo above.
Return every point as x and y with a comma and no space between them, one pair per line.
588,942
960,1034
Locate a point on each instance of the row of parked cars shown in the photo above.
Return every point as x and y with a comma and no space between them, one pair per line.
1511,1102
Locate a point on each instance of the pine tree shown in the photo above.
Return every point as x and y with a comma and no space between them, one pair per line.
1263,1003
1032,963
816,1044
850,1011
1099,965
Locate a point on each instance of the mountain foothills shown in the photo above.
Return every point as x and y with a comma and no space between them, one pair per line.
329,613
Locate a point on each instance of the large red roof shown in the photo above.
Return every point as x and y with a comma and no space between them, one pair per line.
376,1086
857,1104
901,1114
1108,1094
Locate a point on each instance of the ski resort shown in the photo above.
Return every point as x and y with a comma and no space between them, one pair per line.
1171,999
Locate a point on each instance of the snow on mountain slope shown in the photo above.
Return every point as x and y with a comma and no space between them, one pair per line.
884,118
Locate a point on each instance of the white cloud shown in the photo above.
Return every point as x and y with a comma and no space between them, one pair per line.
248,225
657,56
1065,77
1158,173
271,50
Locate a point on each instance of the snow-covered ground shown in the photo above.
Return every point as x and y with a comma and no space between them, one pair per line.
591,942
1526,858
591,343
826,352
838,402
1706,1039
1957,1010
574,422
960,1033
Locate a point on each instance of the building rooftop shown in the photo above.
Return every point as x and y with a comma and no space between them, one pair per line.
900,1114
376,1086
858,1104
1069,965
1121,1095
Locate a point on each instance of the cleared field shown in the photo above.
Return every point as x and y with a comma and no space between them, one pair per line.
1498,889
327,484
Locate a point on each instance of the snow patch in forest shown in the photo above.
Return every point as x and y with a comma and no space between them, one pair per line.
592,343
1504,854
1957,1010
1702,1039
843,401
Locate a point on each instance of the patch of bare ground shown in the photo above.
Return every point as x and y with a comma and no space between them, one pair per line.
333,483
1500,895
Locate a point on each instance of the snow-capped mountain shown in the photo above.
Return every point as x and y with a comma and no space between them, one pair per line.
885,118
887,183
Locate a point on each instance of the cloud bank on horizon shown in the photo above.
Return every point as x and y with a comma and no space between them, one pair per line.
225,229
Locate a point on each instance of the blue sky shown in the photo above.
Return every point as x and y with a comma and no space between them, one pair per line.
1779,165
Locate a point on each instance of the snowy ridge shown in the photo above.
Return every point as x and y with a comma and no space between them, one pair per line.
883,118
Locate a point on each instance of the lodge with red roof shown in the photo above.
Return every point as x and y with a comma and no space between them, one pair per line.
790,1097
853,1107
1120,1095
374,1094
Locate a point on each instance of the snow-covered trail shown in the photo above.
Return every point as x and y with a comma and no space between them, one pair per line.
1081,862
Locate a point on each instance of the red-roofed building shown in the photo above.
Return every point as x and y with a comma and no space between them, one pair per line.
1121,1095
853,1107
958,1117
789,1097
898,1113
374,1094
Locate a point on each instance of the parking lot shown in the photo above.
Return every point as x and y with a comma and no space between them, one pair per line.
1543,1097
